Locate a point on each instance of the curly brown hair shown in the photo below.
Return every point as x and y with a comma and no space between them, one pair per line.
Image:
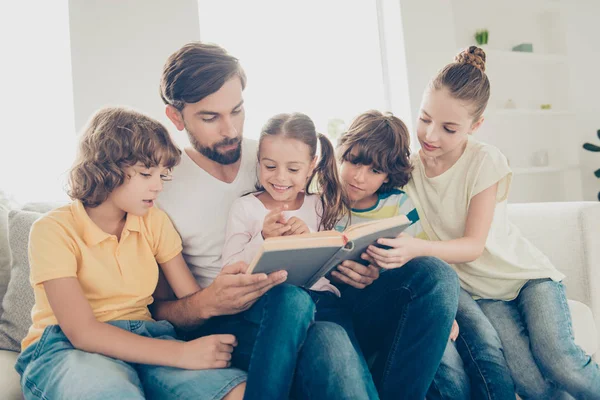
381,140
114,139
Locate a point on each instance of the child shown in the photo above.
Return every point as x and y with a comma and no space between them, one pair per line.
94,270
460,187
284,205
374,156
387,320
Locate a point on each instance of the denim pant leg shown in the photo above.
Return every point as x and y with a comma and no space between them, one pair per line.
330,368
405,316
481,351
529,380
53,369
330,307
270,335
161,382
543,305
451,380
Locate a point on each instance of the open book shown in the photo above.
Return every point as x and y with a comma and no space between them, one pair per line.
310,256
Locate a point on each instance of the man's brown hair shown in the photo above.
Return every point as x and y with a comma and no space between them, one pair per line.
380,140
114,139
195,71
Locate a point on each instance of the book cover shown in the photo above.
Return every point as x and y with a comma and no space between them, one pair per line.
310,256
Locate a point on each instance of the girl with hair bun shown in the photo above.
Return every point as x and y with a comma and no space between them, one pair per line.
460,188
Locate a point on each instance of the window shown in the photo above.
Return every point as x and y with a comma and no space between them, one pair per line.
38,140
321,58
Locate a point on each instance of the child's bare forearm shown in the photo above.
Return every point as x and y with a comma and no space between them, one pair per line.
454,251
102,338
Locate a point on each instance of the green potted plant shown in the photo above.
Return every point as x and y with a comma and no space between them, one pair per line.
481,36
595,149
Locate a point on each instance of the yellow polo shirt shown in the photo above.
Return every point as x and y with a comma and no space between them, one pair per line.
118,278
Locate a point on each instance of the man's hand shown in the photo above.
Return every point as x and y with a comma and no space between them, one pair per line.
297,227
274,224
355,274
234,291
403,249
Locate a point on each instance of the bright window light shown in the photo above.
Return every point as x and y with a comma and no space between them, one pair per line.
318,57
37,135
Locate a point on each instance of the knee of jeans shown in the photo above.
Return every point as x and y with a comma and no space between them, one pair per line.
563,365
331,342
443,279
292,298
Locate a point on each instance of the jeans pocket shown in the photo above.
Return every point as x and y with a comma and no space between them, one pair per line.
33,351
50,331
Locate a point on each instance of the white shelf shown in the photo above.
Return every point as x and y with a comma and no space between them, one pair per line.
530,112
543,170
495,55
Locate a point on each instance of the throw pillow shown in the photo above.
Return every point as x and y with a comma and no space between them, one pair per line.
4,253
18,300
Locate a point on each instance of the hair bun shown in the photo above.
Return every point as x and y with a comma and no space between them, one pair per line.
472,55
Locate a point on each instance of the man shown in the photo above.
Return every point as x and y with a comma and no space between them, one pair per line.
202,88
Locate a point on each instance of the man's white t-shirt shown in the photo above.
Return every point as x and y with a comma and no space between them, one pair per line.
198,204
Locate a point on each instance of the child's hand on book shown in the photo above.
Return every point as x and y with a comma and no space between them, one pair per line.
275,224
297,227
399,251
355,274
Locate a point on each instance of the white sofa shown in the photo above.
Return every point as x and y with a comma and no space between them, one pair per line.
569,233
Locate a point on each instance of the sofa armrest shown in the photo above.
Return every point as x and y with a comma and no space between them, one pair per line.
569,234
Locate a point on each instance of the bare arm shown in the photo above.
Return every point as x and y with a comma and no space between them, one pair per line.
76,319
471,245
456,251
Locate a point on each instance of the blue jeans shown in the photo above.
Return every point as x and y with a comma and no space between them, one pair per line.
287,353
537,335
52,368
403,320
474,366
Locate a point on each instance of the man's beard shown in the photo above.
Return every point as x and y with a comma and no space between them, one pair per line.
212,153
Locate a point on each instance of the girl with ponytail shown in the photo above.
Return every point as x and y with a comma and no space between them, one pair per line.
512,311
298,191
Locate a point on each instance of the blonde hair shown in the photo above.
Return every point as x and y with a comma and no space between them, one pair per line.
114,139
466,80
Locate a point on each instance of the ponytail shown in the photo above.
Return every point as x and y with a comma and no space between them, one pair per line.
328,185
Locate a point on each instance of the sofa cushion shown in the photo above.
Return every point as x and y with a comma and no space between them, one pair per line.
4,253
10,386
18,301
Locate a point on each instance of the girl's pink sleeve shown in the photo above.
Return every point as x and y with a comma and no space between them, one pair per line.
243,237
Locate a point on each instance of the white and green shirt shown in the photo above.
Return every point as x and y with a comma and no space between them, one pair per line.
389,204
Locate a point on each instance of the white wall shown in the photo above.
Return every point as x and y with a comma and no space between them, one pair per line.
119,48
583,46
429,44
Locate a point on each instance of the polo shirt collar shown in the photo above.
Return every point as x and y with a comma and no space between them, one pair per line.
92,234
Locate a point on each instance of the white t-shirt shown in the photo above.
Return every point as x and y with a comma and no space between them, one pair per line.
198,204
243,236
508,260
